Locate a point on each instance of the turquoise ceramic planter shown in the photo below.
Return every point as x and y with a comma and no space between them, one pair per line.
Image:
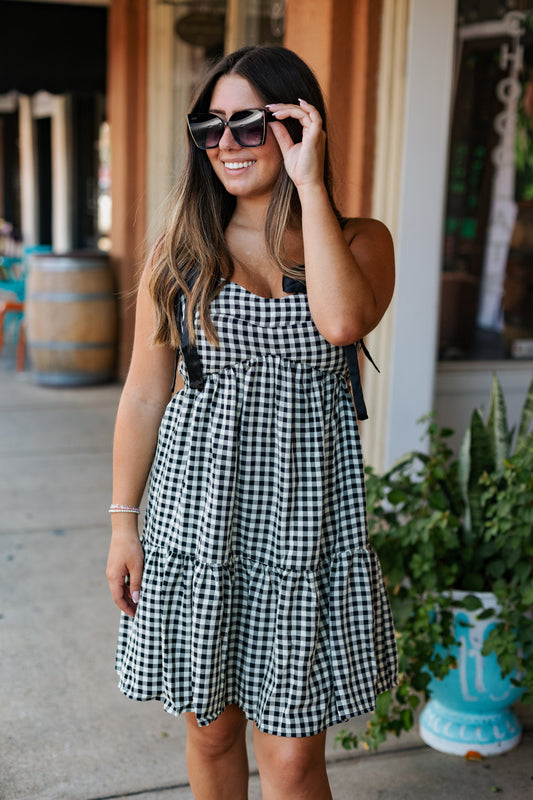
470,708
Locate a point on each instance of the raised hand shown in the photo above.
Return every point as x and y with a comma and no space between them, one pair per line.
304,161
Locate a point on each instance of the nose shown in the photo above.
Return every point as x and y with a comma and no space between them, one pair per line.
227,142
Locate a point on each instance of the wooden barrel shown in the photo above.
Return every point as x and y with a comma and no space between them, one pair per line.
71,319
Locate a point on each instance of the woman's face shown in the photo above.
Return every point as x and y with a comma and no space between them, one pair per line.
243,171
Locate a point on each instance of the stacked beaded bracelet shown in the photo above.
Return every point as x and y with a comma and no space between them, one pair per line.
116,508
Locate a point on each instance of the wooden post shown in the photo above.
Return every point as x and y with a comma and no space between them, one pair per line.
127,81
339,39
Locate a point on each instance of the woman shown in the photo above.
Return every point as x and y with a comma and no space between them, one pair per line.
255,594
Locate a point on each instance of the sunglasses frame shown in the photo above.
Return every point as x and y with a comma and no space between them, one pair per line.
267,116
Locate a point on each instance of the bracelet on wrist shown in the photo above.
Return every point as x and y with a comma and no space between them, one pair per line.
117,508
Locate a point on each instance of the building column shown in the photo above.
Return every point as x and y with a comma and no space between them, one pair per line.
390,125
422,193
341,42
127,98
62,204
28,169
339,39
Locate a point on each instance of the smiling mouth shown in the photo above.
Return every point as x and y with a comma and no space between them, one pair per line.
237,165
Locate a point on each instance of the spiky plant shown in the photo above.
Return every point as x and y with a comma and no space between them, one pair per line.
441,523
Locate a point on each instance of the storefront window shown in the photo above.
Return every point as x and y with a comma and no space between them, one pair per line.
213,24
487,264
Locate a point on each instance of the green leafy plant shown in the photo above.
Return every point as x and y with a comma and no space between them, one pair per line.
439,523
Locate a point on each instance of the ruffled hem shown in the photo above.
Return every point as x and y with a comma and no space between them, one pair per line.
296,651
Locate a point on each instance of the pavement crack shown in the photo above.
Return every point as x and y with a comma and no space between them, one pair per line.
141,792
331,760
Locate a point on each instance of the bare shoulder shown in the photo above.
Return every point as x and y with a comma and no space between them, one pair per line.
372,247
366,229
371,244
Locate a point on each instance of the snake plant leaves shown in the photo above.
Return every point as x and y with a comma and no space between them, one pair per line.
475,458
524,437
500,436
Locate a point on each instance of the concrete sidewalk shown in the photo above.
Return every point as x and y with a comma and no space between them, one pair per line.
66,732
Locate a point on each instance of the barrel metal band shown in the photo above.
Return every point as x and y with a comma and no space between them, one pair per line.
60,264
71,345
69,297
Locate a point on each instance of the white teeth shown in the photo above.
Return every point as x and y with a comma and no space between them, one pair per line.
238,164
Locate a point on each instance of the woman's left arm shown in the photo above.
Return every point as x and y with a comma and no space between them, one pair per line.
350,272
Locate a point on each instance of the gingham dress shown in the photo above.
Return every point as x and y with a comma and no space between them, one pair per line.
259,586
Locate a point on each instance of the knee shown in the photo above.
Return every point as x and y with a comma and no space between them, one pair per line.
289,768
216,740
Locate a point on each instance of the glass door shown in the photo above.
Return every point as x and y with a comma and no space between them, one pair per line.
487,263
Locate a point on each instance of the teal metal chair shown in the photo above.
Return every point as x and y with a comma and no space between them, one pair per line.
12,293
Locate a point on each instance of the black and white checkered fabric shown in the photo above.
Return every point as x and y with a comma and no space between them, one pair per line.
260,587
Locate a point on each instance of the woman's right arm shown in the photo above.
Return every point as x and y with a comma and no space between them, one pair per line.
144,398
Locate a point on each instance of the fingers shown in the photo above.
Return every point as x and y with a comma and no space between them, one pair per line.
306,115
304,160
124,574
121,597
283,137
304,112
136,572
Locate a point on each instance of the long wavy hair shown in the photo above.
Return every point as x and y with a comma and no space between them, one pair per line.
193,242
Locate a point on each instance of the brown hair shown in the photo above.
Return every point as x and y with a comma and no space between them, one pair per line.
193,243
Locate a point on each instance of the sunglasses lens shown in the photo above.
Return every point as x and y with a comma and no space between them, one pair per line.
206,130
248,127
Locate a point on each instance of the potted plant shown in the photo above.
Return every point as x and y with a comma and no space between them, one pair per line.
455,540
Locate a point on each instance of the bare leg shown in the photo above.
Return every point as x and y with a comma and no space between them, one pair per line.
216,757
292,769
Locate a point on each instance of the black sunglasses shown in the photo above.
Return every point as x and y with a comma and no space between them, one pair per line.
248,127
